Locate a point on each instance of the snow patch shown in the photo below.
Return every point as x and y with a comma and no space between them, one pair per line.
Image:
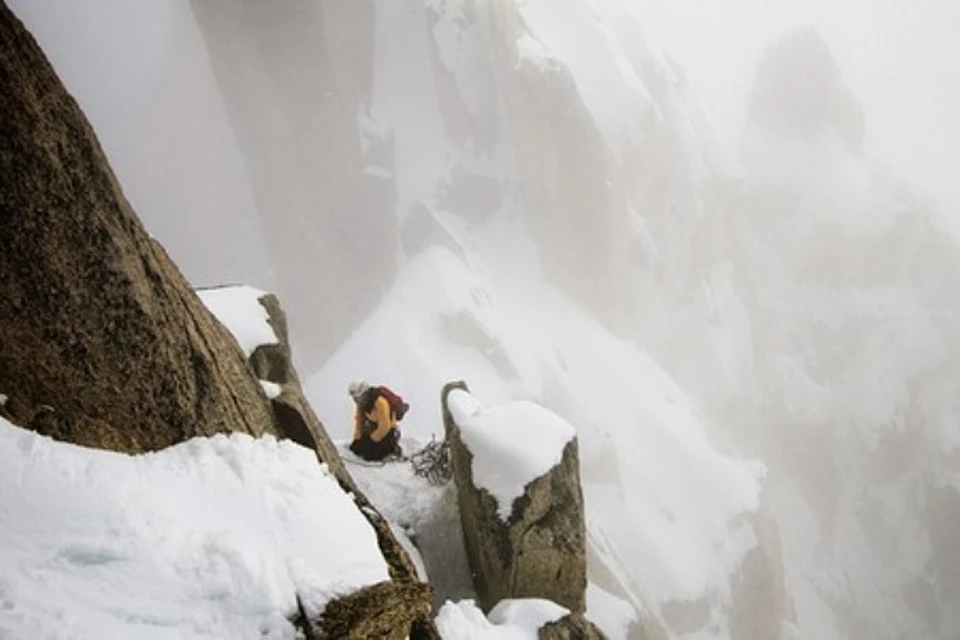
509,619
272,389
512,444
211,538
238,308
528,614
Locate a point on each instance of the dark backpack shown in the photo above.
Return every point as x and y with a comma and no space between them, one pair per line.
397,405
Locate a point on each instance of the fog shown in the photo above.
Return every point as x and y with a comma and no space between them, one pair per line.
713,236
898,57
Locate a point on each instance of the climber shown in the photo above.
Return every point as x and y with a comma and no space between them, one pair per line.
375,433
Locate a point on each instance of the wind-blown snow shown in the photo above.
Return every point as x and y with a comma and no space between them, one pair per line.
511,444
239,310
212,538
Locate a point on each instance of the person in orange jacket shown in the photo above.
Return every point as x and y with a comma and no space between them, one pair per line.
375,433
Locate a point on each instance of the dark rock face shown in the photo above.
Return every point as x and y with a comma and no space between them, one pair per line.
103,342
571,627
540,552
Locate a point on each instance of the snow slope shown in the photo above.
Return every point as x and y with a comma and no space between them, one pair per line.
212,538
661,503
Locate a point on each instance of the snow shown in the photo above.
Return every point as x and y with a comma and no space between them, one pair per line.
611,614
526,613
272,389
212,538
512,444
576,34
508,620
530,50
422,512
238,308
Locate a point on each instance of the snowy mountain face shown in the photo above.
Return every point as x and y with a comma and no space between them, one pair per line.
758,351
856,340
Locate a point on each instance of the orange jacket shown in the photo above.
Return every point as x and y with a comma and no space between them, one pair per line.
380,415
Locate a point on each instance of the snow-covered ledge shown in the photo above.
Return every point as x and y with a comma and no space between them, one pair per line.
517,473
238,308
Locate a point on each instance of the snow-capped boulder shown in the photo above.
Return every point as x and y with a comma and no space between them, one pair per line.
517,472
104,343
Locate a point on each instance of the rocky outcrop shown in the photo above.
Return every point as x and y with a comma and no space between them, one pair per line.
570,627
578,207
539,550
104,343
399,608
292,412
384,610
799,92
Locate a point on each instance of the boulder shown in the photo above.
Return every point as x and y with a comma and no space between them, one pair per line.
570,627
536,550
104,342
383,610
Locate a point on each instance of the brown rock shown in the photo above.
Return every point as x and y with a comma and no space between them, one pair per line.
540,552
104,343
384,610
570,627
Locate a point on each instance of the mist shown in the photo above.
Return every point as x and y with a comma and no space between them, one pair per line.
718,238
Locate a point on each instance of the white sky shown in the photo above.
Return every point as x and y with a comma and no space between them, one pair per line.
901,58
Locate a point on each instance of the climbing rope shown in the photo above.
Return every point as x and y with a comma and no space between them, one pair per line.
433,462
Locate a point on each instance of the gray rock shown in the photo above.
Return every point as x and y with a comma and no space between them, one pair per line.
104,342
540,552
